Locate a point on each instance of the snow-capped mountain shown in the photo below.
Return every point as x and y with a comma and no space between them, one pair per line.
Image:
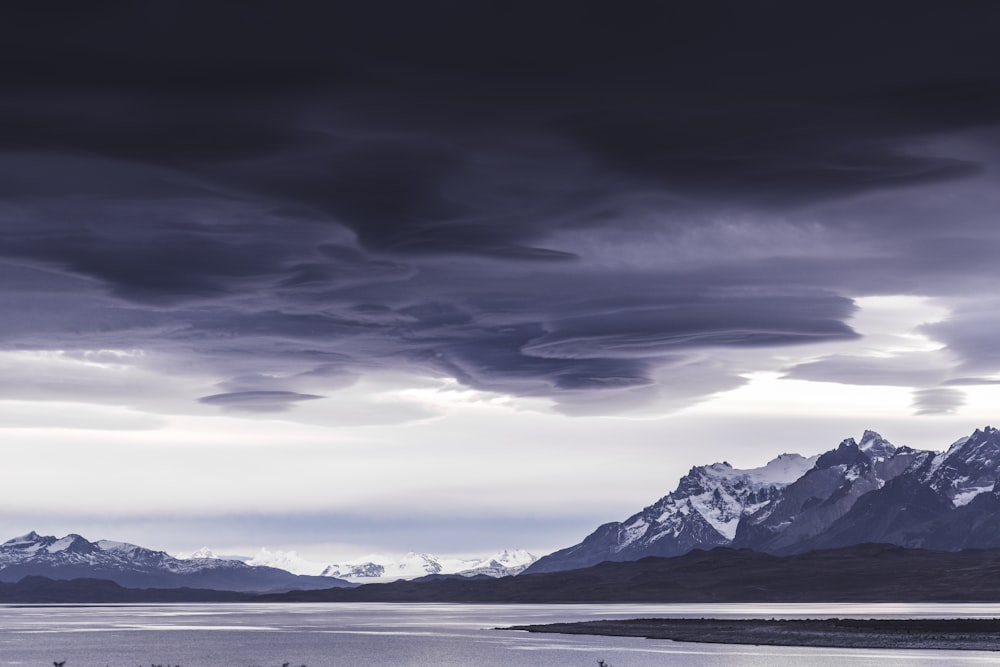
944,501
374,568
133,566
205,552
412,565
824,493
867,491
967,469
289,561
380,567
703,512
505,563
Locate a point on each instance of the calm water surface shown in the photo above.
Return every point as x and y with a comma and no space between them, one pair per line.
411,635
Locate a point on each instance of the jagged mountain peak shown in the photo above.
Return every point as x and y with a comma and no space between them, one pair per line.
872,447
984,437
847,453
869,437
987,436
31,536
967,469
73,543
33,542
876,446
781,470
26,541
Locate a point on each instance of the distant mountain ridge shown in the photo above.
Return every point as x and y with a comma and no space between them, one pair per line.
129,565
501,564
132,566
386,568
859,492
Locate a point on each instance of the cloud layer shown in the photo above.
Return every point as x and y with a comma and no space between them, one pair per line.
582,205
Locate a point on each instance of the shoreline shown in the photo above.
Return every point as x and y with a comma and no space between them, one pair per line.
965,634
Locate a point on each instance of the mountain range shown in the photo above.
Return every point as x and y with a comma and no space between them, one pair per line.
374,568
132,566
128,565
501,564
859,492
862,491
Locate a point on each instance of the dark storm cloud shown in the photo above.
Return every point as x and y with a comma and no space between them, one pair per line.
763,158
279,197
645,331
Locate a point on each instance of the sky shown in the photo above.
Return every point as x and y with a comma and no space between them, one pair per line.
456,277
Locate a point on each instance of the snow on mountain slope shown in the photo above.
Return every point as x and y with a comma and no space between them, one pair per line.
380,567
47,548
204,552
383,567
718,495
876,447
286,560
825,493
76,550
968,468
375,568
702,512
502,564
780,471
111,545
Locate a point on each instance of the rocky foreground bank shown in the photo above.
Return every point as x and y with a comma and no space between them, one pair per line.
954,634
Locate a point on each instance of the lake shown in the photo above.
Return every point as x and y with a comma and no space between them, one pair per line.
411,635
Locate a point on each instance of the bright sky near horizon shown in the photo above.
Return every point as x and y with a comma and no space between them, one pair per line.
460,277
